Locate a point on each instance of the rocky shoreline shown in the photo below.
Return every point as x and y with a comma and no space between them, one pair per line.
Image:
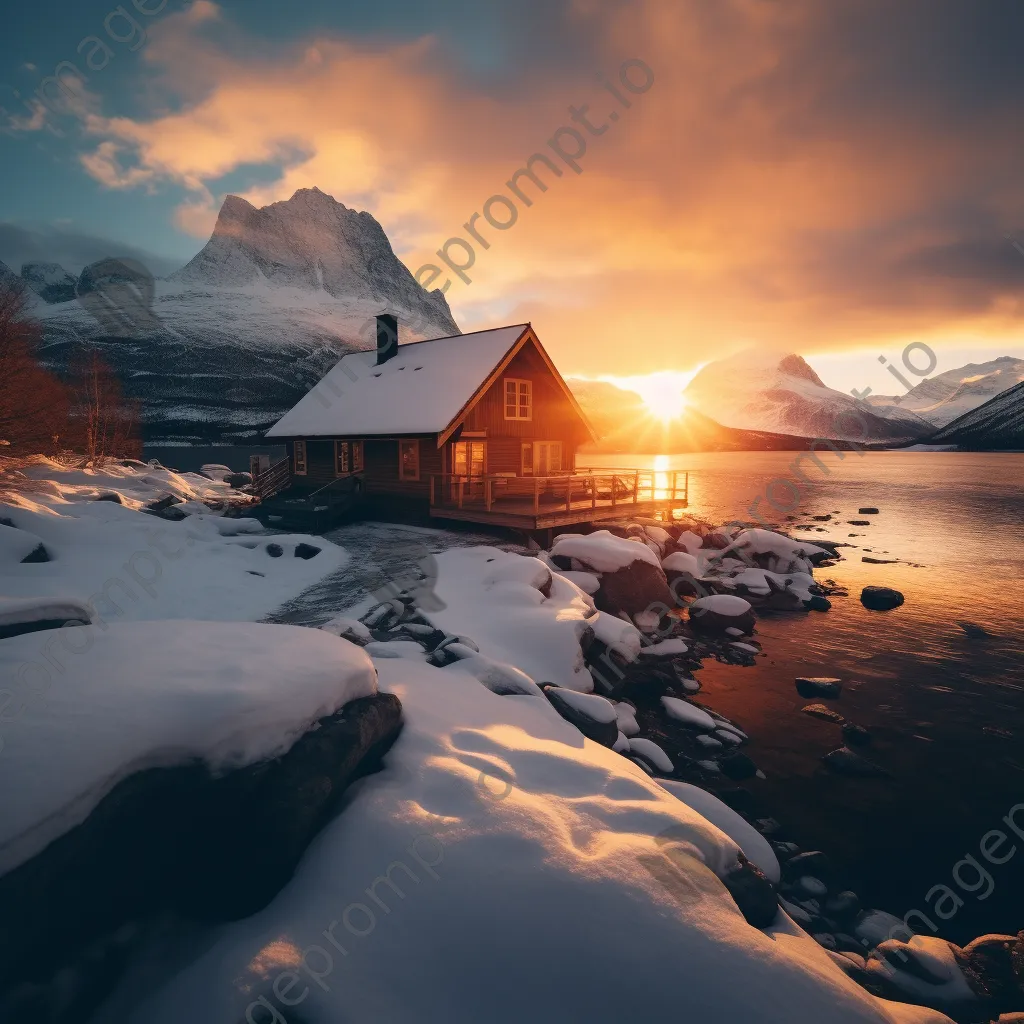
695,597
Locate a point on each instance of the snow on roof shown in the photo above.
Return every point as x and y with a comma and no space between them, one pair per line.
418,391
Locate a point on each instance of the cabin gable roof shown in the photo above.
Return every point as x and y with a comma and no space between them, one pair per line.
428,387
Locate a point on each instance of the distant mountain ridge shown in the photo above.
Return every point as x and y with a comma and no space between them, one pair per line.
944,397
626,426
998,425
779,392
227,344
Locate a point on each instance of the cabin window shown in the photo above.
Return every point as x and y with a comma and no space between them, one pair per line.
469,458
342,462
299,452
357,456
518,399
409,460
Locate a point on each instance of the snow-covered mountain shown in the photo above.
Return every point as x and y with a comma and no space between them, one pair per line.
996,425
222,348
50,281
779,392
944,397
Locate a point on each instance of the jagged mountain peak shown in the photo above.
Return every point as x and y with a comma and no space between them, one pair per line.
313,243
50,281
797,366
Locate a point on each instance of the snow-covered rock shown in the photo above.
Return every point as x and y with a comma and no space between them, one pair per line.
719,612
602,551
683,711
594,716
651,753
588,582
152,694
484,596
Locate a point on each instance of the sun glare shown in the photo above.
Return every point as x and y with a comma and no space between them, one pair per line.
662,392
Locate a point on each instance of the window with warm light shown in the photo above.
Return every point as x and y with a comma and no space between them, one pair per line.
518,399
342,463
299,457
409,460
357,456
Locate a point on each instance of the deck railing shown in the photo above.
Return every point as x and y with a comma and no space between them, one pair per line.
570,490
273,480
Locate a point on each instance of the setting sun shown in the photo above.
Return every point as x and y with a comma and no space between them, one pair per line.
662,392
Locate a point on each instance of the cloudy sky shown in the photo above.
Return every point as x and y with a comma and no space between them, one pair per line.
835,178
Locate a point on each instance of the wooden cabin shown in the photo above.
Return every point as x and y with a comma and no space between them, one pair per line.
480,427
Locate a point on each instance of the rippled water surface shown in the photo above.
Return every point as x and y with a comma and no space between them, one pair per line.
946,711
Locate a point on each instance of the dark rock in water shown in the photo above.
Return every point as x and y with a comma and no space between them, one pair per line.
753,893
275,550
736,765
844,907
586,712
820,711
175,841
857,735
306,551
813,863
822,519
867,511
858,522
817,603
634,589
819,686
739,799
879,561
973,630
238,479
846,762
881,599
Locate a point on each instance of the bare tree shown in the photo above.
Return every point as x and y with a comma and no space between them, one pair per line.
105,423
34,403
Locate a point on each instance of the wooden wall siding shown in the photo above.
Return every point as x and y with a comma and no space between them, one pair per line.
381,473
554,418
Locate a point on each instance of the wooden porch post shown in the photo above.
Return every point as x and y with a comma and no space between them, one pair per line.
487,492
636,486
432,479
568,493
593,491
461,484
615,481
536,495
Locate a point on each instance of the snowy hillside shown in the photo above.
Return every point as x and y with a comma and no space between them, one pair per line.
944,397
778,392
224,347
996,425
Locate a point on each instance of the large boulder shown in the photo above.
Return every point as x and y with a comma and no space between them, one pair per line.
881,599
639,589
178,841
720,612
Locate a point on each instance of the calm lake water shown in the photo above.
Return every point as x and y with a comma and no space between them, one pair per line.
946,711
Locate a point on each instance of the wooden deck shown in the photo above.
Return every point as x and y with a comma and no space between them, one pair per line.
564,499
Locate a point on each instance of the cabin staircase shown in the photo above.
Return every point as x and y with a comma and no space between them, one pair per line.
287,506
